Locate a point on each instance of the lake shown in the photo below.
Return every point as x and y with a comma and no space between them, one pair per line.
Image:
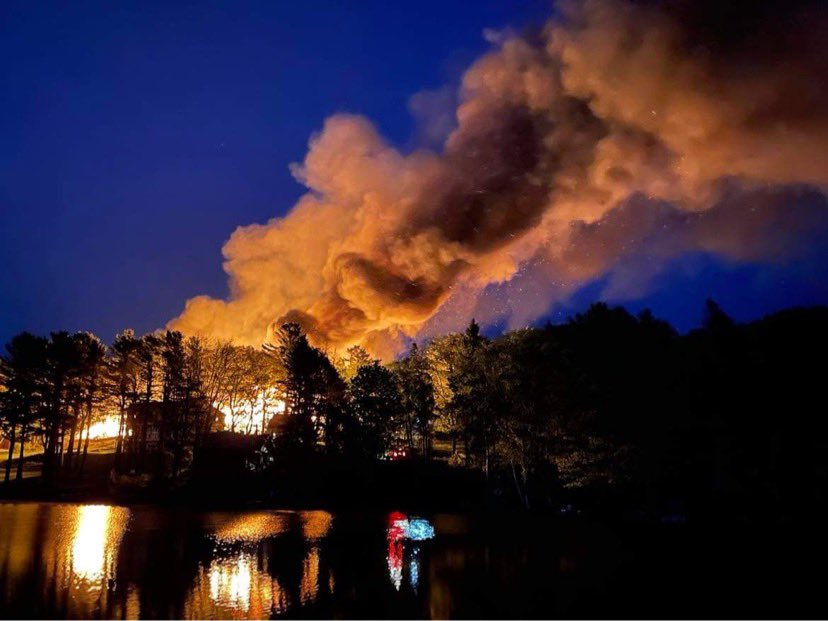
102,561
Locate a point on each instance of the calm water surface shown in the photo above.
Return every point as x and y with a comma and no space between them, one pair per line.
100,561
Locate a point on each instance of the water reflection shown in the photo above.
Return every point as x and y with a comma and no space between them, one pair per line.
73,549
310,576
400,530
316,524
252,527
230,582
98,561
234,588
262,564
259,525
98,533
414,569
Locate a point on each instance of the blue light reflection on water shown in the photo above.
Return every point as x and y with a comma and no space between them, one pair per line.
419,530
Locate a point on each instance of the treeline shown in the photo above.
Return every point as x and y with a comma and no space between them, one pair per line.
50,387
606,406
53,390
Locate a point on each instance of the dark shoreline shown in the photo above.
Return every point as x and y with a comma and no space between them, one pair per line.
479,504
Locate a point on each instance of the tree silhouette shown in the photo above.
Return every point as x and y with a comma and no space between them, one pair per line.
416,396
373,398
22,401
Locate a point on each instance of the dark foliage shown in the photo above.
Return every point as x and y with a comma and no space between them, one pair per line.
608,409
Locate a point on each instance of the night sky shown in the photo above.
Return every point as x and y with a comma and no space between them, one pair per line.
137,136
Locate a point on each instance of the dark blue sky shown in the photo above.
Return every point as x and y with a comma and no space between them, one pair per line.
134,137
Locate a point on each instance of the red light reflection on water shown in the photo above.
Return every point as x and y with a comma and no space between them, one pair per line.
396,534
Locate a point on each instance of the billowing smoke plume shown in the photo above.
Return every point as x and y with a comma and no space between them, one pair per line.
619,136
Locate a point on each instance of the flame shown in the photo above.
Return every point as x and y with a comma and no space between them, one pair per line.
252,417
106,428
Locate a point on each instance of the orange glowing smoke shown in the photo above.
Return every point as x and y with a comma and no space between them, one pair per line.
620,130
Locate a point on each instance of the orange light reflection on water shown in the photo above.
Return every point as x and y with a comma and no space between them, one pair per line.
78,551
239,582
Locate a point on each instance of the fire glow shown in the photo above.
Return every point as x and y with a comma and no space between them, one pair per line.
244,419
252,417
605,146
106,428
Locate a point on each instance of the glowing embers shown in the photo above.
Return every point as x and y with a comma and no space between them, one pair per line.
404,537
